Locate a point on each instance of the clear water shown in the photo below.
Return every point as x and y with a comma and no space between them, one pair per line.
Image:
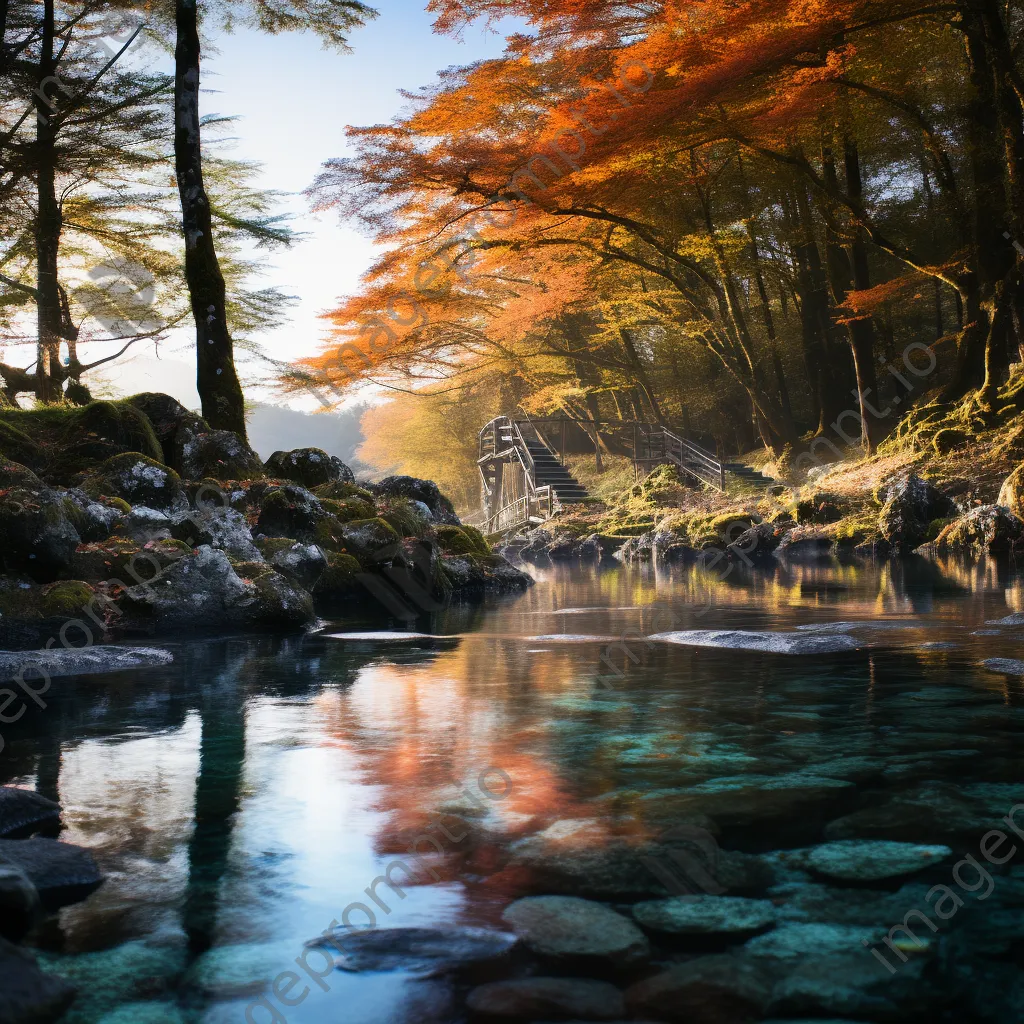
241,799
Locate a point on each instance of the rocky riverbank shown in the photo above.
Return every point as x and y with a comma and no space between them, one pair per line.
134,517
890,514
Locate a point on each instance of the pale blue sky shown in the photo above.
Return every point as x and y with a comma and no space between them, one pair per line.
294,100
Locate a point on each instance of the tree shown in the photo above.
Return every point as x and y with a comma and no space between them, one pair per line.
216,376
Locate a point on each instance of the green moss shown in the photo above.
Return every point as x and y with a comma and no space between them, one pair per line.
339,579
65,599
347,509
63,440
340,491
329,533
116,503
270,546
404,516
948,440
17,445
459,540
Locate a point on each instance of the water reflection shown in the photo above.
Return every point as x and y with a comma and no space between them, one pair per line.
240,799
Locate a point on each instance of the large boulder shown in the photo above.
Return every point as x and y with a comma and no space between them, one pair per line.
722,989
23,812
17,446
311,467
61,873
205,590
426,491
291,511
369,540
14,474
37,535
303,563
219,454
168,416
139,480
990,529
222,528
27,994
910,506
474,573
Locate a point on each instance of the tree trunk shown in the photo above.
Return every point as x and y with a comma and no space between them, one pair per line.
48,220
980,289
216,379
862,332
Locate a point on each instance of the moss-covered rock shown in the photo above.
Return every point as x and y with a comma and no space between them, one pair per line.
168,417
137,479
65,598
406,516
303,563
910,505
462,540
219,454
290,511
989,529
36,534
493,573
31,614
204,590
426,491
342,490
126,562
339,581
17,446
311,467
369,540
13,474
1011,494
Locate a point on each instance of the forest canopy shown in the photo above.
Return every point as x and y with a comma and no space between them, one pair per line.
759,221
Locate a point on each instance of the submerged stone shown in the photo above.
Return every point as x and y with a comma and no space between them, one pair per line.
706,915
566,928
23,812
532,999
793,941
81,661
872,860
422,951
150,1012
769,643
709,990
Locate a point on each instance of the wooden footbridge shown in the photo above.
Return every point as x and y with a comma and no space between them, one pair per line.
524,479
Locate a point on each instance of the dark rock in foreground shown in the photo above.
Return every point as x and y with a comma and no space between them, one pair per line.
23,812
547,999
61,873
27,994
709,990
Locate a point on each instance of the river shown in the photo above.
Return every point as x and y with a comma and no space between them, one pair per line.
244,798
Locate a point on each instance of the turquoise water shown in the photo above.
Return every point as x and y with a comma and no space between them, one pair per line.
241,799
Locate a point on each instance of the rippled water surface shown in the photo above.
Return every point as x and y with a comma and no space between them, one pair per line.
241,799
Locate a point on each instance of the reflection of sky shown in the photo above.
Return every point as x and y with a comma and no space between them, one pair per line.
294,100
350,754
